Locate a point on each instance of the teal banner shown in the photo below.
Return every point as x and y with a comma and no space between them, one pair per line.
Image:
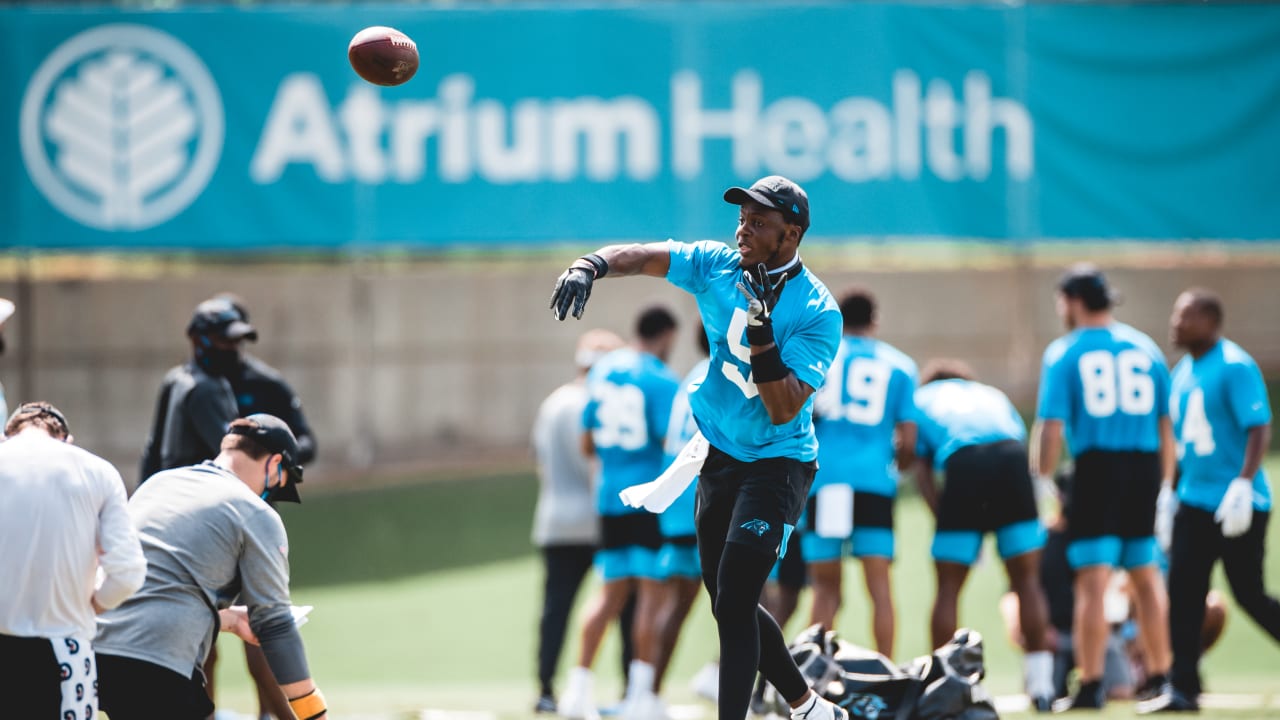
225,128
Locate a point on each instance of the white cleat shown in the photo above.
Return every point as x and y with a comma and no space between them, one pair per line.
706,683
819,709
645,707
577,702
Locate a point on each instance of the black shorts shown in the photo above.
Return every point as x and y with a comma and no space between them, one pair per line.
988,487
1113,494
30,678
766,496
130,689
639,529
869,511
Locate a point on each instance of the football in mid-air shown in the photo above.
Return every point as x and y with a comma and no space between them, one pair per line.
383,55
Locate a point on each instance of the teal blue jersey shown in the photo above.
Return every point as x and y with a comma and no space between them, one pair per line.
677,520
1216,400
629,395
958,413
1108,385
806,327
869,390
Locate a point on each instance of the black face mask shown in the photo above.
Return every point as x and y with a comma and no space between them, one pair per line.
269,493
217,361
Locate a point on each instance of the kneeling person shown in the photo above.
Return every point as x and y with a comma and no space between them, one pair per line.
974,435
209,538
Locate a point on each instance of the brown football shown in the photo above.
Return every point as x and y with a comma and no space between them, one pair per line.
383,55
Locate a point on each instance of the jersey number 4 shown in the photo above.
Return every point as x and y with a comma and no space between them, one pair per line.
1196,430
1117,381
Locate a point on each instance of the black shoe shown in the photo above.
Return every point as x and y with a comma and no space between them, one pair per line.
1169,701
1088,697
1042,704
546,704
1151,688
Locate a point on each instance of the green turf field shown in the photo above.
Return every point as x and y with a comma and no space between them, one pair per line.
427,596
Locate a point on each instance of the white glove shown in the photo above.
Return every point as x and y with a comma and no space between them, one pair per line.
1235,512
1166,506
1047,499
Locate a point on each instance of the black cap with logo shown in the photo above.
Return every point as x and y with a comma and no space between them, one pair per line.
275,436
219,317
1086,282
775,192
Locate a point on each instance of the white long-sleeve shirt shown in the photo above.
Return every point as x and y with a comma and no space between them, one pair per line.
62,516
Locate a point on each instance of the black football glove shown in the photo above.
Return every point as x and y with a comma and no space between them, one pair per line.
574,286
762,296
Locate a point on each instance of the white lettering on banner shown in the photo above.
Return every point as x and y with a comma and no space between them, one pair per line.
461,137
859,139
557,140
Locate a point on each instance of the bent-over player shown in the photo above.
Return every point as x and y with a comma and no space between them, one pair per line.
209,538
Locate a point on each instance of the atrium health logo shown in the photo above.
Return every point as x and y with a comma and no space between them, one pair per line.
121,127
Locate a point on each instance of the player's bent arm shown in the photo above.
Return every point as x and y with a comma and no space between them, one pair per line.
124,567
277,633
783,398
1046,447
1168,451
1255,448
652,259
927,484
905,436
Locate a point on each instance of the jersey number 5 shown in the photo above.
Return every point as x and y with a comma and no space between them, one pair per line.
733,371
1120,381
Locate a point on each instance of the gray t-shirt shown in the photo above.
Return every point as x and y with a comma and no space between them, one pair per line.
208,541
566,510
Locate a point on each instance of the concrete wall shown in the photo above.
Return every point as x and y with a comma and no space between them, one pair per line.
439,362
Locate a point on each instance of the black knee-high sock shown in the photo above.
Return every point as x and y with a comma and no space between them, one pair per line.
750,639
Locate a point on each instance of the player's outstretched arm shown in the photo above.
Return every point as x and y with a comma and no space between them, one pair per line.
573,287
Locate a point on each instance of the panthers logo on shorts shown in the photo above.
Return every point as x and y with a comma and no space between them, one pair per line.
759,527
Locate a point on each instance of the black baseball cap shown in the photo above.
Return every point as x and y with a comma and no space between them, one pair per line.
220,317
1086,282
275,436
775,192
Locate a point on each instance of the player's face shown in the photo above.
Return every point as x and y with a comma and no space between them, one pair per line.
1063,305
228,345
1186,326
765,237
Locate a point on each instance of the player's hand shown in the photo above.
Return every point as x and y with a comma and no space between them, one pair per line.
572,290
235,620
1048,501
1166,506
761,293
1235,512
